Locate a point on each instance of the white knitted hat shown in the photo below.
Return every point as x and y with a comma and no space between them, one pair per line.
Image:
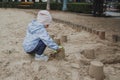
44,17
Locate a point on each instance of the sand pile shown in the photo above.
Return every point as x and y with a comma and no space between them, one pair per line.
15,64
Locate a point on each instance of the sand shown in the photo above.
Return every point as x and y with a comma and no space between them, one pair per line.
15,64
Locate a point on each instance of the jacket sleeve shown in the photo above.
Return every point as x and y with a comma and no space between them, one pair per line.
44,36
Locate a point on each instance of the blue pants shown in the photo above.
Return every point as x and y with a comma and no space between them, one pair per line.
39,48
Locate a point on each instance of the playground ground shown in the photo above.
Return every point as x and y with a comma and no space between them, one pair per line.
15,64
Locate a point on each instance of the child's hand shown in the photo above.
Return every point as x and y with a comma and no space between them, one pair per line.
59,49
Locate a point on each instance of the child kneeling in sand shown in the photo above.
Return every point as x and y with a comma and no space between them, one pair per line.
37,38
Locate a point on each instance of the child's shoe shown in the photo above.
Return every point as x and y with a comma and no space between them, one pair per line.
41,57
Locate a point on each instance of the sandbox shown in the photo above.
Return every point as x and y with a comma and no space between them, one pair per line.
15,64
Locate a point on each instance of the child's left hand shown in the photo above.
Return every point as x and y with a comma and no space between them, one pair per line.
58,50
